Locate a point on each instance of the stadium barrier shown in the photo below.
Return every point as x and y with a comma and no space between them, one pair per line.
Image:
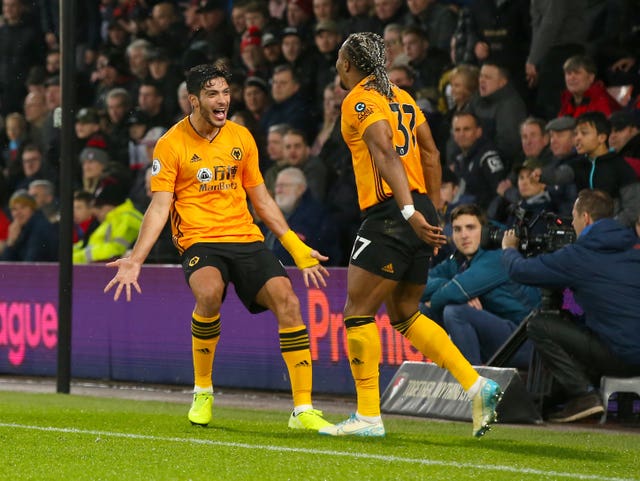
148,340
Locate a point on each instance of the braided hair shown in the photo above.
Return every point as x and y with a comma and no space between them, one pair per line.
367,53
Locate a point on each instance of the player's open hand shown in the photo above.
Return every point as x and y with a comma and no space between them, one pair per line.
127,276
430,234
317,273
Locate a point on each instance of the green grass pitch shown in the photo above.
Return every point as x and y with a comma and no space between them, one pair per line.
72,437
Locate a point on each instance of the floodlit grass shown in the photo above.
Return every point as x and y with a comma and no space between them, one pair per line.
70,437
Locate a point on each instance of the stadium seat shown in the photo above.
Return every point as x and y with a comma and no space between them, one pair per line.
609,385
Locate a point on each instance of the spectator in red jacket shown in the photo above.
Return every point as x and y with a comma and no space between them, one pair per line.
584,93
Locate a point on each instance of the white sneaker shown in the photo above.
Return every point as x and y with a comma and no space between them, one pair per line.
354,426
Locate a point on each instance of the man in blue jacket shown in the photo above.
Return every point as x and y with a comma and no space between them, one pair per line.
603,269
471,295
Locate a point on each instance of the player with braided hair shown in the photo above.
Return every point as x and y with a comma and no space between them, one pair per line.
398,175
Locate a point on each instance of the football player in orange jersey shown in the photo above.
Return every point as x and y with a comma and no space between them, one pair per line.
398,174
203,170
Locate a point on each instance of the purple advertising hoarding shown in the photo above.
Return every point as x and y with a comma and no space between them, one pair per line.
148,340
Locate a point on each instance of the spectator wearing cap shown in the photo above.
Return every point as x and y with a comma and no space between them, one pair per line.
89,132
215,29
117,36
625,137
327,41
531,196
167,75
558,174
143,136
583,92
272,51
256,96
254,64
294,51
93,162
119,225
31,237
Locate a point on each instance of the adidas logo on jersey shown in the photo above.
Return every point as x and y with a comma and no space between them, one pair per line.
357,362
388,268
195,158
304,363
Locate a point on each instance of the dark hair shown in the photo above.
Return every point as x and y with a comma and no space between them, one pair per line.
198,76
464,113
597,203
83,196
469,209
285,67
597,120
502,70
366,51
298,132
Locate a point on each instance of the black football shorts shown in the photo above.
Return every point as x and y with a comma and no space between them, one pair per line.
387,245
247,265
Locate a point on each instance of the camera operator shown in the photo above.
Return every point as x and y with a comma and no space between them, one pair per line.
602,268
472,297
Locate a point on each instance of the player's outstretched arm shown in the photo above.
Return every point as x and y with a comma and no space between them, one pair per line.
129,267
307,259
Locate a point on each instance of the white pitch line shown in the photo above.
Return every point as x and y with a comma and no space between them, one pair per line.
377,457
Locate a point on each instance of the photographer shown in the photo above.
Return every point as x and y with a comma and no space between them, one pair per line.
602,268
472,296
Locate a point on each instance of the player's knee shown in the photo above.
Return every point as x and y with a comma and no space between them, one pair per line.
208,300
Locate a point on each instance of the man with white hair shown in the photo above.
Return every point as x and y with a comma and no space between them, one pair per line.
307,217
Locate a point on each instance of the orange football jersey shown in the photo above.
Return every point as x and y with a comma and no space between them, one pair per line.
363,107
208,180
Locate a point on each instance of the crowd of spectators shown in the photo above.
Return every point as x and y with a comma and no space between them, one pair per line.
528,100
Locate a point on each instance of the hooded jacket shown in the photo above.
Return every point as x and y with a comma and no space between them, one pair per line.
603,269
